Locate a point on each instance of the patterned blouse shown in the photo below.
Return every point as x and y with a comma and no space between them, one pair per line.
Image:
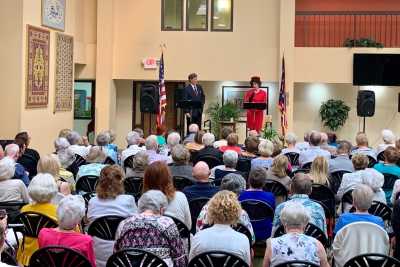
154,233
292,247
243,219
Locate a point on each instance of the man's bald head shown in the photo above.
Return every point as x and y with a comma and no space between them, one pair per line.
315,138
201,171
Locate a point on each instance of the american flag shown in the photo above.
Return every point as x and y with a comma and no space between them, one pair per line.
282,99
163,94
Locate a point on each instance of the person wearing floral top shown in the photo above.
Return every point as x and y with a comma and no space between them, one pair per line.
301,187
152,231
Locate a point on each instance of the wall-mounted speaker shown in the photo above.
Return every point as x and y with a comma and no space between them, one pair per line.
366,103
149,98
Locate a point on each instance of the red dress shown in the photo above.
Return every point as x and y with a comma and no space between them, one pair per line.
255,117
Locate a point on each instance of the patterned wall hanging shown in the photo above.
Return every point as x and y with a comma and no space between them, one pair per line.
37,84
64,72
53,14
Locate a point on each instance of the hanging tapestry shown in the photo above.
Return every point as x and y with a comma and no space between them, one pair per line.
37,83
64,72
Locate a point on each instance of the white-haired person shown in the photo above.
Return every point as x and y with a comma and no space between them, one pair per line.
65,156
173,139
193,129
133,139
362,201
209,149
291,140
223,211
152,150
362,146
14,152
76,142
139,164
265,149
42,190
294,245
70,212
165,241
230,159
388,139
11,190
180,162
95,160
103,140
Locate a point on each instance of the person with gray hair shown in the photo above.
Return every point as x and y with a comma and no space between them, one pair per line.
133,139
300,189
75,139
180,166
103,140
363,196
208,150
139,164
314,150
342,162
95,160
193,129
11,190
388,139
257,180
230,159
61,143
265,149
295,218
14,152
70,212
173,139
165,241
151,145
291,140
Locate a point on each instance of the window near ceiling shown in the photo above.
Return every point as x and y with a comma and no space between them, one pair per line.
222,15
196,15
172,15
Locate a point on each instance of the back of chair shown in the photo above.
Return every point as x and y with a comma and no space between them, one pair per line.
335,179
74,167
293,158
109,161
324,196
217,259
257,210
219,174
212,161
347,198
34,222
135,258
307,166
133,186
12,209
381,156
372,259
184,232
379,209
195,206
244,166
390,179
180,182
128,162
276,188
105,227
8,259
372,162
87,184
243,230
310,230
58,256
297,264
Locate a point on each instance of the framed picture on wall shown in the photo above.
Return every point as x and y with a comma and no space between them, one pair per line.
235,94
53,14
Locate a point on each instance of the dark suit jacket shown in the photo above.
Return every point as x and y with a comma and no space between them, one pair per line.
189,94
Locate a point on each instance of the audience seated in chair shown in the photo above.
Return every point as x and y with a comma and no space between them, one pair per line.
209,149
325,146
173,139
161,131
197,143
319,171
294,245
3,233
14,152
302,146
392,156
362,146
139,162
110,200
133,140
396,228
262,228
232,144
77,145
202,187
278,171
103,140
225,132
193,129
388,139
314,150
265,149
291,140
29,159
180,166
251,147
151,145
95,160
223,211
11,190
230,159
70,212
342,161
300,190
158,177
151,231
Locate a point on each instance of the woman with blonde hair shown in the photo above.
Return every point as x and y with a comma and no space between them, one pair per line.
319,171
277,172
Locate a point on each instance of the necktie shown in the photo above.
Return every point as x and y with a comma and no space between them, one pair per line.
195,89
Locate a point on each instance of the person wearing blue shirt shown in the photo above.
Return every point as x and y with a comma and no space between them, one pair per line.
389,167
13,151
202,187
362,201
257,179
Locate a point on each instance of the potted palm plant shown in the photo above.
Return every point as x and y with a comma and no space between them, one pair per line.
217,113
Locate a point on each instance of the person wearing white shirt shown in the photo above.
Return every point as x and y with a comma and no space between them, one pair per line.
302,146
314,150
291,140
362,146
75,140
133,140
388,138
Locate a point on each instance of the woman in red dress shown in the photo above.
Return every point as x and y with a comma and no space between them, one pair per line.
255,95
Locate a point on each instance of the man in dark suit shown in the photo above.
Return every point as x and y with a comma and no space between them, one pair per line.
194,92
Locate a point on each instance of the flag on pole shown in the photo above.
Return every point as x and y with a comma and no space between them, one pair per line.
162,93
282,99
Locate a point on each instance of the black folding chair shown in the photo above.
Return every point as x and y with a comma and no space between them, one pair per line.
184,232
379,209
109,161
372,260
86,184
324,196
371,162
195,206
135,258
307,166
212,161
243,230
180,182
276,188
381,156
310,230
293,158
389,181
13,209
347,198
134,186
128,162
58,256
74,167
105,227
297,264
217,259
8,259
335,179
244,166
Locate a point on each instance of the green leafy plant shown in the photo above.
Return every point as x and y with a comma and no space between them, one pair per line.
269,132
362,42
334,114
217,112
